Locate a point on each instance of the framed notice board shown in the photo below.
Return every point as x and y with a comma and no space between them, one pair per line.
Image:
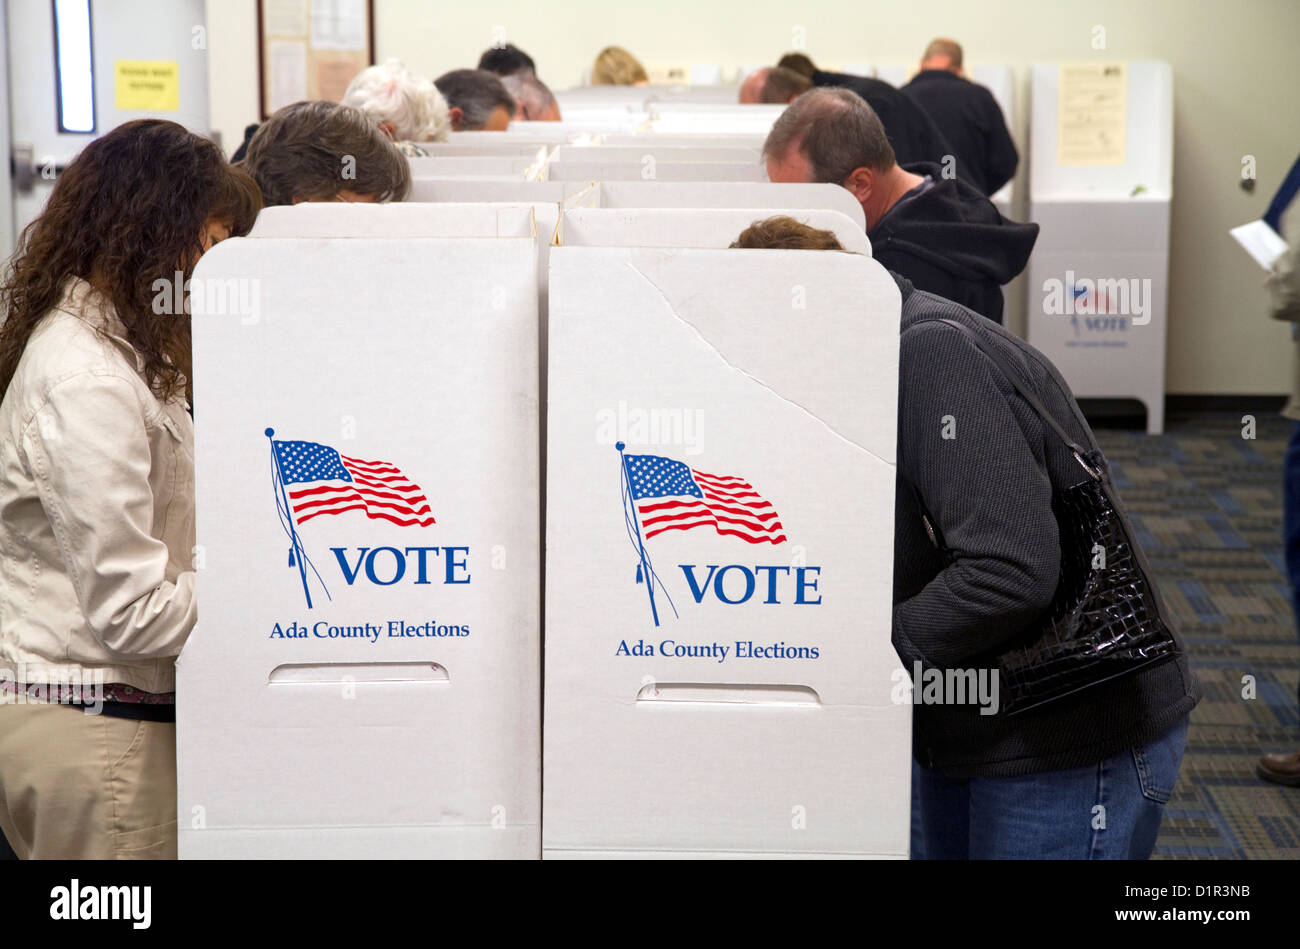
311,49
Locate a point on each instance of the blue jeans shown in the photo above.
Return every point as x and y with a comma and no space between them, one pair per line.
1106,811
1291,517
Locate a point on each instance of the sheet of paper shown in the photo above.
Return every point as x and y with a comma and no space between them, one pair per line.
338,24
147,86
333,77
287,74
285,17
1263,243
1092,111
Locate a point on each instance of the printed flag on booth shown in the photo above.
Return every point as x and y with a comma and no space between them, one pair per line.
672,496
334,483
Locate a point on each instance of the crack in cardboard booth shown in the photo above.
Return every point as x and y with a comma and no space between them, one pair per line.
758,382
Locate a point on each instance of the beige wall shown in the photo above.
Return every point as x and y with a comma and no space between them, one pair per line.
1236,93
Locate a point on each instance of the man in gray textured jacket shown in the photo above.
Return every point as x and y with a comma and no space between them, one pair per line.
980,461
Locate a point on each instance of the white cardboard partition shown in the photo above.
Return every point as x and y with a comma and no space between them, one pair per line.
729,194
642,169
490,189
692,725
999,79
896,74
716,109
752,142
661,153
1099,274
690,227
456,147
433,167
395,715
722,122
405,219
519,133
581,120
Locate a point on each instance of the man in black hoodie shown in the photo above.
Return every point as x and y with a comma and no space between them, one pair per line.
938,232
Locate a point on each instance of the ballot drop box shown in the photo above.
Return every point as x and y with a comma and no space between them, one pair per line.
720,679
364,676
1100,187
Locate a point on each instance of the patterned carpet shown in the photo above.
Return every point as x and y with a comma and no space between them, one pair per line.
1207,507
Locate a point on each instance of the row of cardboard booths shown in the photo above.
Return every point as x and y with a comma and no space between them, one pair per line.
533,519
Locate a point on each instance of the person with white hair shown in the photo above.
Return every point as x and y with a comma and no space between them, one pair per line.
408,108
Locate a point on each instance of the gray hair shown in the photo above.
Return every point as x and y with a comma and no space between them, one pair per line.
534,98
412,105
835,130
477,93
301,150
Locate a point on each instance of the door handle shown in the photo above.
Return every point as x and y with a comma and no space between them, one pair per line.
26,171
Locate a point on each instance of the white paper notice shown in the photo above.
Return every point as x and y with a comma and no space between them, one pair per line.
1261,242
338,24
285,17
288,73
1092,107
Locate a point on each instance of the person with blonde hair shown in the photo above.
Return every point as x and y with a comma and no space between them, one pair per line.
615,66
408,108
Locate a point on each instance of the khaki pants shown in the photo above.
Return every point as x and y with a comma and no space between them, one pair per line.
77,786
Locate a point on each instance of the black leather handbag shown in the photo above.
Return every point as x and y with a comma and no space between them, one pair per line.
1106,619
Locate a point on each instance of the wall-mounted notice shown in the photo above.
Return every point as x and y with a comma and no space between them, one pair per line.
148,86
1092,110
312,49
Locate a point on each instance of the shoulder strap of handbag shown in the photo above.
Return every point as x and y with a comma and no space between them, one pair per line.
1012,373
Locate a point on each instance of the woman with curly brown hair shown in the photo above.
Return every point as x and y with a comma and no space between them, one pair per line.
97,491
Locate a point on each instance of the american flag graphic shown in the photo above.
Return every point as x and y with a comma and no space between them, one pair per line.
671,496
339,483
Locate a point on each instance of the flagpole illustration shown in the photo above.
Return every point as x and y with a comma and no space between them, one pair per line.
645,573
298,553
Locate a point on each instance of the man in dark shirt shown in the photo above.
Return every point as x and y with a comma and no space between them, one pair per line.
938,231
912,133
968,116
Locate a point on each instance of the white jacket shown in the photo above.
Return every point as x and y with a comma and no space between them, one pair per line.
96,507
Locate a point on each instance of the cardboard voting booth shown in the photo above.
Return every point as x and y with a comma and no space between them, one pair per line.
660,153
728,194
690,227
648,168
364,677
342,219
455,147
518,166
1100,187
494,189
751,142
721,427
749,119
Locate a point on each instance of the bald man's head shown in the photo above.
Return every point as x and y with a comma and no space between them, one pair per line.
944,54
773,85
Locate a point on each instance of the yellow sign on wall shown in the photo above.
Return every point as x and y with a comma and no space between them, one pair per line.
148,86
